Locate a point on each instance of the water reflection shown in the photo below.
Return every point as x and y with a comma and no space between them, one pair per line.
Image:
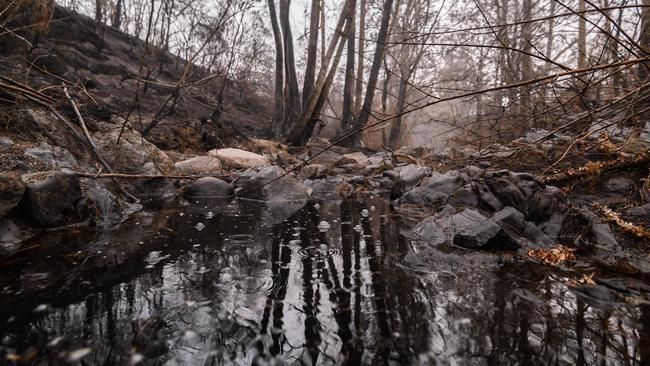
254,287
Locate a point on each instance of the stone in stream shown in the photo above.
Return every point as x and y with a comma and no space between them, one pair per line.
313,171
255,185
412,174
438,187
51,197
473,230
199,165
11,191
209,187
241,159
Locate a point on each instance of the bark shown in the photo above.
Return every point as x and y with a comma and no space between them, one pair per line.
301,127
292,106
278,109
582,36
364,115
98,11
117,17
348,87
358,90
312,48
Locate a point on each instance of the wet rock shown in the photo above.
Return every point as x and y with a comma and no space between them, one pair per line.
288,188
355,168
104,206
325,187
473,230
51,198
209,187
641,212
507,192
329,158
6,142
358,157
53,157
595,295
240,159
412,174
10,233
536,236
488,198
544,203
313,171
438,187
512,218
429,230
134,154
199,165
620,185
464,197
11,191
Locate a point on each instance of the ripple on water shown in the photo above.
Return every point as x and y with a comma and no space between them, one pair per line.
319,252
240,239
255,284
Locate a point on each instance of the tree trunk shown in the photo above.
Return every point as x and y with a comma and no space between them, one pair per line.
292,102
348,87
364,115
117,17
582,36
98,11
299,129
278,109
312,48
362,47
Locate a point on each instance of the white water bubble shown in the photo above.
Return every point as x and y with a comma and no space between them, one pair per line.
358,228
78,354
364,213
200,226
324,226
209,215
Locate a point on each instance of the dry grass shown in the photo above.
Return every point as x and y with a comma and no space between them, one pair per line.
32,14
552,256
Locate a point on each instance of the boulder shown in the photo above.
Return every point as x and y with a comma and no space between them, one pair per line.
329,158
209,187
51,198
473,230
11,191
313,171
620,185
511,218
53,157
545,203
239,159
199,165
412,174
134,154
358,157
256,185
105,209
431,231
438,187
640,212
6,142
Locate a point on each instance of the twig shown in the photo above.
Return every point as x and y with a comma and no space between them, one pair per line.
93,147
596,168
143,176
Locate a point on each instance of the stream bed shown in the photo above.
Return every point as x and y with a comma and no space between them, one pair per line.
333,282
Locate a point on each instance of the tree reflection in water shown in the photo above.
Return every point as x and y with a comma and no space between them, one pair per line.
249,290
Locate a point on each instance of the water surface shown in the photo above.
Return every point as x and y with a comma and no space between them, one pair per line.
243,283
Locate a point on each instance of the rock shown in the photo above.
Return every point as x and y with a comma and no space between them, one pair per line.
507,192
11,191
51,198
355,168
240,159
313,171
512,218
53,157
464,197
620,185
199,165
10,233
105,208
325,187
412,174
134,154
431,231
287,188
604,237
6,142
641,212
209,187
358,157
473,230
438,187
537,236
329,158
488,198
545,203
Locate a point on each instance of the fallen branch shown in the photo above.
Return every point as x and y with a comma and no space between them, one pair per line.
626,226
93,147
595,168
143,176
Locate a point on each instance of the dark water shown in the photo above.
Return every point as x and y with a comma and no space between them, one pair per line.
262,285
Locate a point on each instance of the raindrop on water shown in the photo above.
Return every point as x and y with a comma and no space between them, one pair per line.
358,228
323,226
364,213
199,226
209,215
